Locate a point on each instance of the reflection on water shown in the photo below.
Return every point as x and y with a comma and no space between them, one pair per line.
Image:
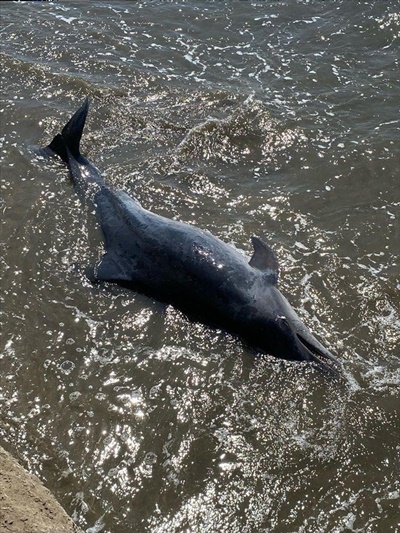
244,118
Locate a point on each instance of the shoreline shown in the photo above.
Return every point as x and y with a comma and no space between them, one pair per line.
26,505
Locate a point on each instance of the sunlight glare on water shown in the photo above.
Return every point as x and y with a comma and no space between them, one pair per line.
243,118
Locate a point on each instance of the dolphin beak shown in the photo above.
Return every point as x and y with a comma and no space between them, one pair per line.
309,346
315,352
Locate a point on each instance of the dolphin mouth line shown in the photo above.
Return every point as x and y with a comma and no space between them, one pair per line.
322,357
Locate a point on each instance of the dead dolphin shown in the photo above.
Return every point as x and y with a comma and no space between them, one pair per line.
187,267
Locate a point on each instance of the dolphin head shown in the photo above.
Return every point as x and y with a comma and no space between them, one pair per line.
281,333
272,323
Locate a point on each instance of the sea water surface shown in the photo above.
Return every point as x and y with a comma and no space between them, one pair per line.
276,119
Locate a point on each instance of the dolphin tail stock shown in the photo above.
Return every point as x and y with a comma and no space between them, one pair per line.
67,142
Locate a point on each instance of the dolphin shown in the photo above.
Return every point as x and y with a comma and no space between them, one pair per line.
187,267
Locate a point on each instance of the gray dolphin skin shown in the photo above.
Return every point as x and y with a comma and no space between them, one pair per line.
187,267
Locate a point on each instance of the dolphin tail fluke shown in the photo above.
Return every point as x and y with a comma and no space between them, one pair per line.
57,146
72,131
70,137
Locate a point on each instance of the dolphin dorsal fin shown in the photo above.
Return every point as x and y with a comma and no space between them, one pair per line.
264,259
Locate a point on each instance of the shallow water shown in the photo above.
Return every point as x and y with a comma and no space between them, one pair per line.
279,119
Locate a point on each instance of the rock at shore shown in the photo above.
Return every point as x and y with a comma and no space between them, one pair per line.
26,506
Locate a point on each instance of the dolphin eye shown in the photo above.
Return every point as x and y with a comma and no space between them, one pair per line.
282,320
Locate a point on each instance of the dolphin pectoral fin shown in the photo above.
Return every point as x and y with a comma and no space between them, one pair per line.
264,259
110,269
90,274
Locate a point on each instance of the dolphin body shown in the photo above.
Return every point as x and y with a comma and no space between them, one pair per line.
187,267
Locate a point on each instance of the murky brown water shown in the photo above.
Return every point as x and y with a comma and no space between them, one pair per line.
279,119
